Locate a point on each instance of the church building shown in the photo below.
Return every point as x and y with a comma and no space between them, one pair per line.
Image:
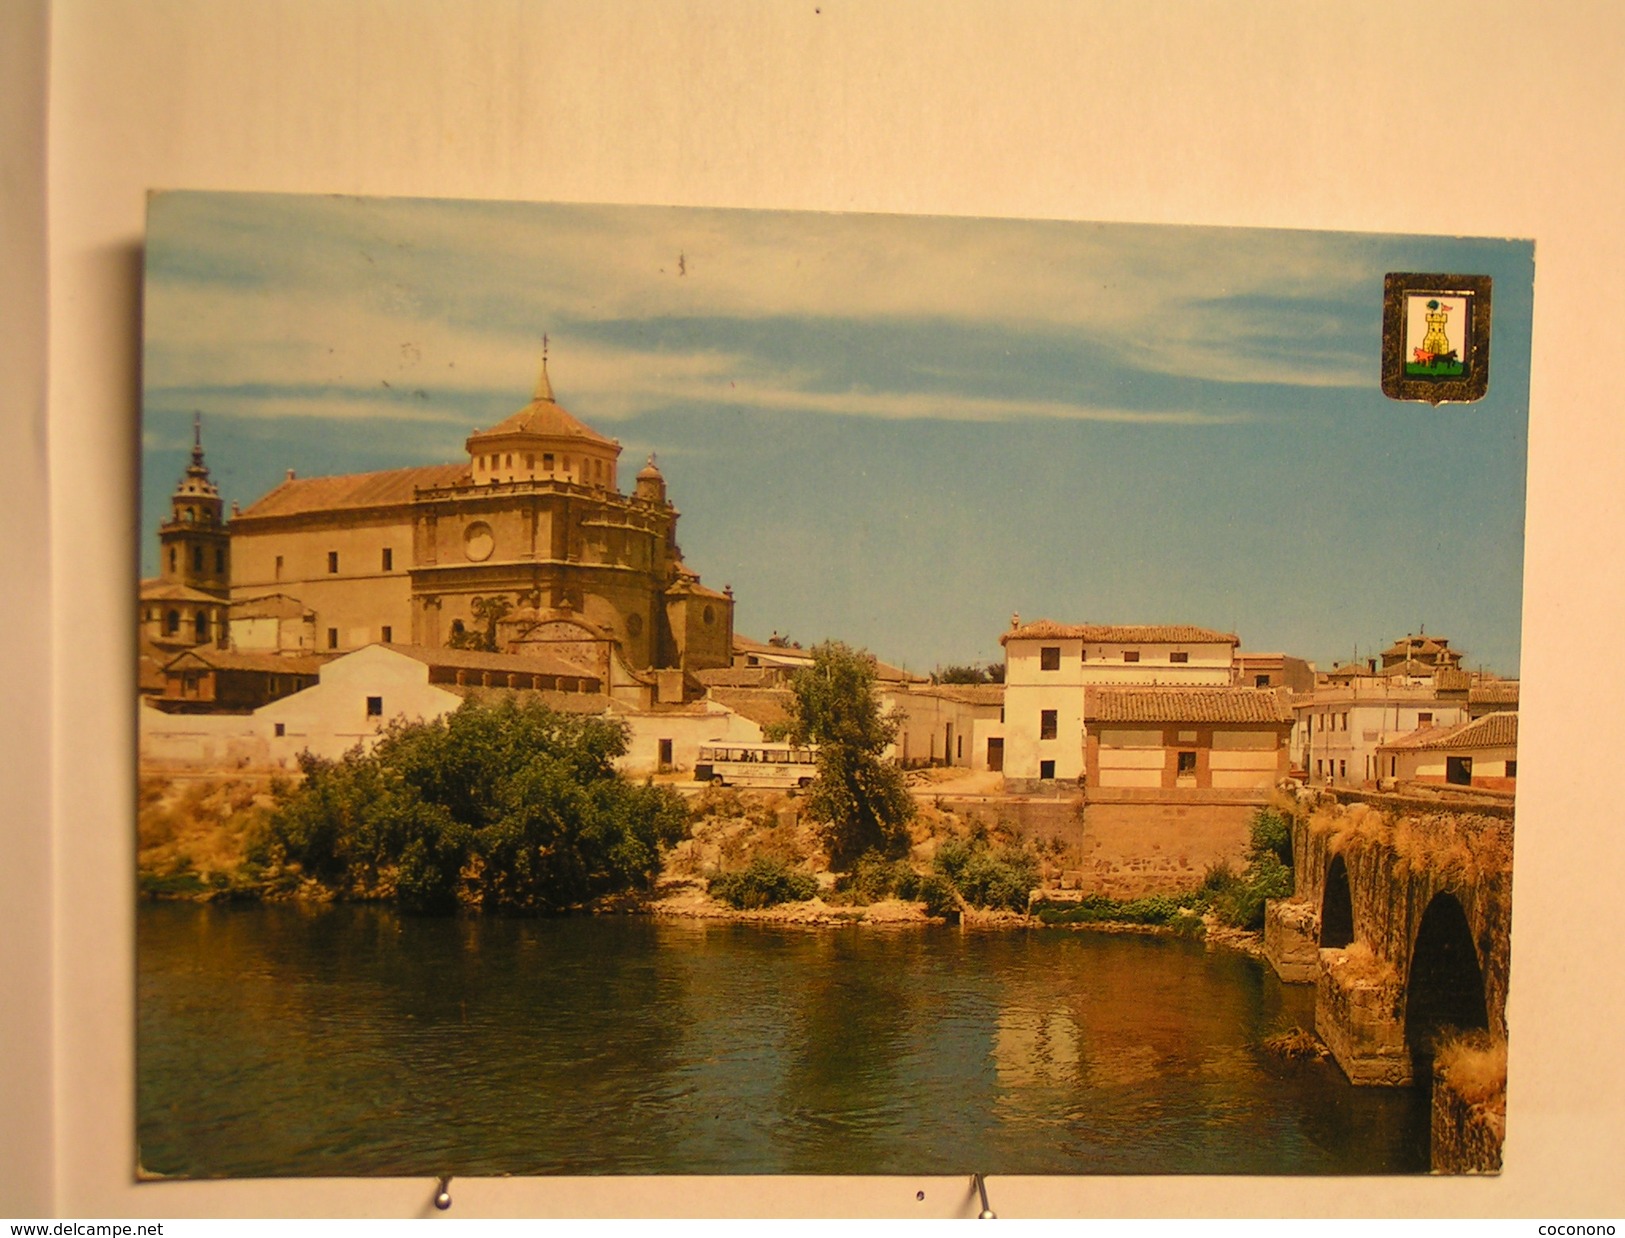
528,546
186,603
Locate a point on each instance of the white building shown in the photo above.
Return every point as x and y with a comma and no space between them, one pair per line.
1049,665
944,724
1341,725
1482,754
361,693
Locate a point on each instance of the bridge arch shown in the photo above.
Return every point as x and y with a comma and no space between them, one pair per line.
1336,907
1445,988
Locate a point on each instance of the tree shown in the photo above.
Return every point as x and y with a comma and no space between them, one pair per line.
858,798
488,612
505,807
990,672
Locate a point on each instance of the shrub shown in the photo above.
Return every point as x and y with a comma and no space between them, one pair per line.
1271,833
874,877
1241,904
937,893
1102,909
765,882
984,877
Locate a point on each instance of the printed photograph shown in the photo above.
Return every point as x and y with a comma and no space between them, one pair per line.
651,690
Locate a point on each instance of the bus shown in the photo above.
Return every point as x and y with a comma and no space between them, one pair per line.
781,766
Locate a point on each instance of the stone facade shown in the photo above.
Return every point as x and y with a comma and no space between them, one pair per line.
532,532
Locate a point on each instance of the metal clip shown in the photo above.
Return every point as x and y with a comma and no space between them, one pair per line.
442,1192
987,1213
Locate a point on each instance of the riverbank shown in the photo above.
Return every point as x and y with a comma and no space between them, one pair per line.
196,836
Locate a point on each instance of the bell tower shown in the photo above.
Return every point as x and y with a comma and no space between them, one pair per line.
194,546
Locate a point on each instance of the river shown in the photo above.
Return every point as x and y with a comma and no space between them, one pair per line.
349,1040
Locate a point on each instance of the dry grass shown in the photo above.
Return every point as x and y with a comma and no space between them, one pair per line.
1474,1066
731,827
1462,847
1357,964
201,825
1295,1045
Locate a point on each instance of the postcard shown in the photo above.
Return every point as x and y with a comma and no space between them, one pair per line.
641,690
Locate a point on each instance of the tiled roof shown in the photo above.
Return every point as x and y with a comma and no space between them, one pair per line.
1351,670
480,660
1118,633
1417,644
1498,730
541,418
964,693
1494,692
390,488
159,591
803,657
744,644
693,588
269,663
1185,705
270,606
1411,667
589,703
739,676
763,706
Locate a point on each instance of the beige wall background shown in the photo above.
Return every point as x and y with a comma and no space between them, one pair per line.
1278,113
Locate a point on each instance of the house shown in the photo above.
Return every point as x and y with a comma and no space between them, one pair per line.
1185,739
362,692
944,724
1274,670
1490,696
1482,754
1049,665
207,679
1340,728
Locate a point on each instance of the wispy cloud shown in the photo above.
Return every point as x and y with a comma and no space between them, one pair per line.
334,293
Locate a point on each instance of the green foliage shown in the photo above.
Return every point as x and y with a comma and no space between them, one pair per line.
1102,909
505,807
1238,899
938,895
874,877
988,877
990,672
765,882
1242,903
859,798
1271,832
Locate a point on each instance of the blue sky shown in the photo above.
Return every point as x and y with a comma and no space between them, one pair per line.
895,431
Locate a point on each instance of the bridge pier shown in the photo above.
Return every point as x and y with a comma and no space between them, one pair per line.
1360,1016
1291,940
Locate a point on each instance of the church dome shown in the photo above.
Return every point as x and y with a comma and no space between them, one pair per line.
543,441
651,483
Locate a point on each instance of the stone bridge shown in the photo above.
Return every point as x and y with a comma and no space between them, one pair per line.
1401,917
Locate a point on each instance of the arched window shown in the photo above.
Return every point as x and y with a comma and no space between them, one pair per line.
174,563
172,623
220,559
197,558
201,625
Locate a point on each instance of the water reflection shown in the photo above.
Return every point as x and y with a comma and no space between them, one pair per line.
284,1040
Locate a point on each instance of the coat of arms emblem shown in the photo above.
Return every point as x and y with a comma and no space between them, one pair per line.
1436,337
